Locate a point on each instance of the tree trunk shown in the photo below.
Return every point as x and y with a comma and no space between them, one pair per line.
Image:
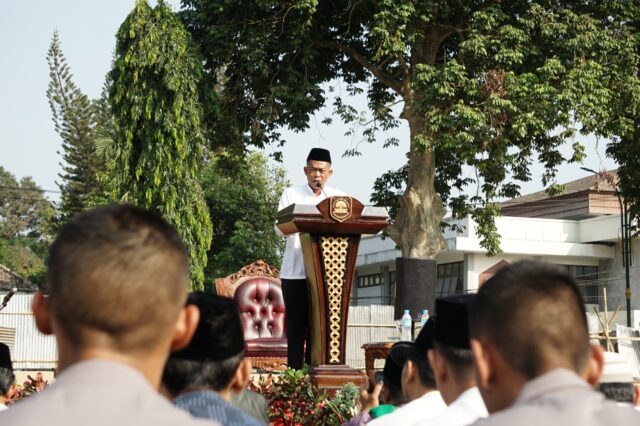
416,228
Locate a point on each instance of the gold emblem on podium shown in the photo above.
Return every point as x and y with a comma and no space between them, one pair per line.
340,208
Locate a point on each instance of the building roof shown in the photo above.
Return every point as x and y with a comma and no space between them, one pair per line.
9,279
596,183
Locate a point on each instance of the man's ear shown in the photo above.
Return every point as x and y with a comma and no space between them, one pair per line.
438,366
482,364
185,326
242,376
636,395
41,307
594,367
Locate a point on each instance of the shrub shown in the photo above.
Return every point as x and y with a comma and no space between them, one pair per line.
294,401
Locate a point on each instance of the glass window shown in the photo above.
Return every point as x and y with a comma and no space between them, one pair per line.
450,279
370,280
587,278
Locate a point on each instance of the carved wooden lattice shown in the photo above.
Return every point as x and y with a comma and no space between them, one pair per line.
334,254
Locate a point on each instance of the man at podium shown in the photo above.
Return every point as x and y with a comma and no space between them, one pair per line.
292,271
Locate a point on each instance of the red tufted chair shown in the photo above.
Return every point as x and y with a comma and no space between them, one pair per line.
257,292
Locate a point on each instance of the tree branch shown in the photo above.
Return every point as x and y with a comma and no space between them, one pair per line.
384,78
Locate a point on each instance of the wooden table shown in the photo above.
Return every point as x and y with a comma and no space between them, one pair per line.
373,351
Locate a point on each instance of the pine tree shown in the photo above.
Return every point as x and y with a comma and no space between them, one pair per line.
159,145
75,122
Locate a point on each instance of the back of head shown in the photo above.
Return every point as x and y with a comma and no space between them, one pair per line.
6,371
418,354
392,371
117,276
214,354
451,334
532,313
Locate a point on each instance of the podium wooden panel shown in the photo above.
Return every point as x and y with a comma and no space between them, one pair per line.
330,235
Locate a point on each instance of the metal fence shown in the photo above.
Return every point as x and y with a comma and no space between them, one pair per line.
30,349
368,324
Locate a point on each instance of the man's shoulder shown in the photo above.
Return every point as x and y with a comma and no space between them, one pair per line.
591,413
209,405
64,404
331,191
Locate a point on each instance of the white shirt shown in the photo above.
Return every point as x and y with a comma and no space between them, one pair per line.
429,404
292,262
466,409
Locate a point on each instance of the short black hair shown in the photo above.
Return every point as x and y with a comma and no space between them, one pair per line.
460,359
181,374
533,313
119,271
425,372
617,391
7,379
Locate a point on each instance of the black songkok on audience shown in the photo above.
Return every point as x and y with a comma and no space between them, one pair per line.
319,154
452,321
399,352
395,361
219,334
5,357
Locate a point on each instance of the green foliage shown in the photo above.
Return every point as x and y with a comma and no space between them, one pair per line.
293,400
622,121
242,196
485,86
158,149
25,226
75,122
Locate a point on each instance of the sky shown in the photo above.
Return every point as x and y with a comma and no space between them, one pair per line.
29,145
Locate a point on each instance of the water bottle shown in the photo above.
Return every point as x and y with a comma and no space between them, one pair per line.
424,317
405,326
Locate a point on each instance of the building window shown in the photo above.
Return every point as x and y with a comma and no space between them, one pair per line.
370,280
450,279
587,279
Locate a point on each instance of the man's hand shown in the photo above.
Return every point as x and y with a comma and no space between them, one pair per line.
370,400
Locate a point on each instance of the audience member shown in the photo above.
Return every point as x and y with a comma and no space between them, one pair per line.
452,365
533,361
418,384
7,379
201,377
114,297
385,396
616,382
251,403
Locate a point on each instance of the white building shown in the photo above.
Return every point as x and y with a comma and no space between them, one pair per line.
579,230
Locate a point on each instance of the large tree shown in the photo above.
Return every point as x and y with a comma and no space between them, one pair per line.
75,121
158,147
485,87
622,121
25,226
242,195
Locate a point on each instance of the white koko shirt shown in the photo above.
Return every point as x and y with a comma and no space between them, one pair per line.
292,262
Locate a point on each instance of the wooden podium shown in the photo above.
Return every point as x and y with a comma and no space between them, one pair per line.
330,234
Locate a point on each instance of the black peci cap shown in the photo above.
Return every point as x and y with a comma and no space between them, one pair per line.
319,154
395,361
452,321
219,334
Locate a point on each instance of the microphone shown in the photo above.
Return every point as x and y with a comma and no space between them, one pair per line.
319,185
8,297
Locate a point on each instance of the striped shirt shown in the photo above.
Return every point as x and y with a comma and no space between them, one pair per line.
209,405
